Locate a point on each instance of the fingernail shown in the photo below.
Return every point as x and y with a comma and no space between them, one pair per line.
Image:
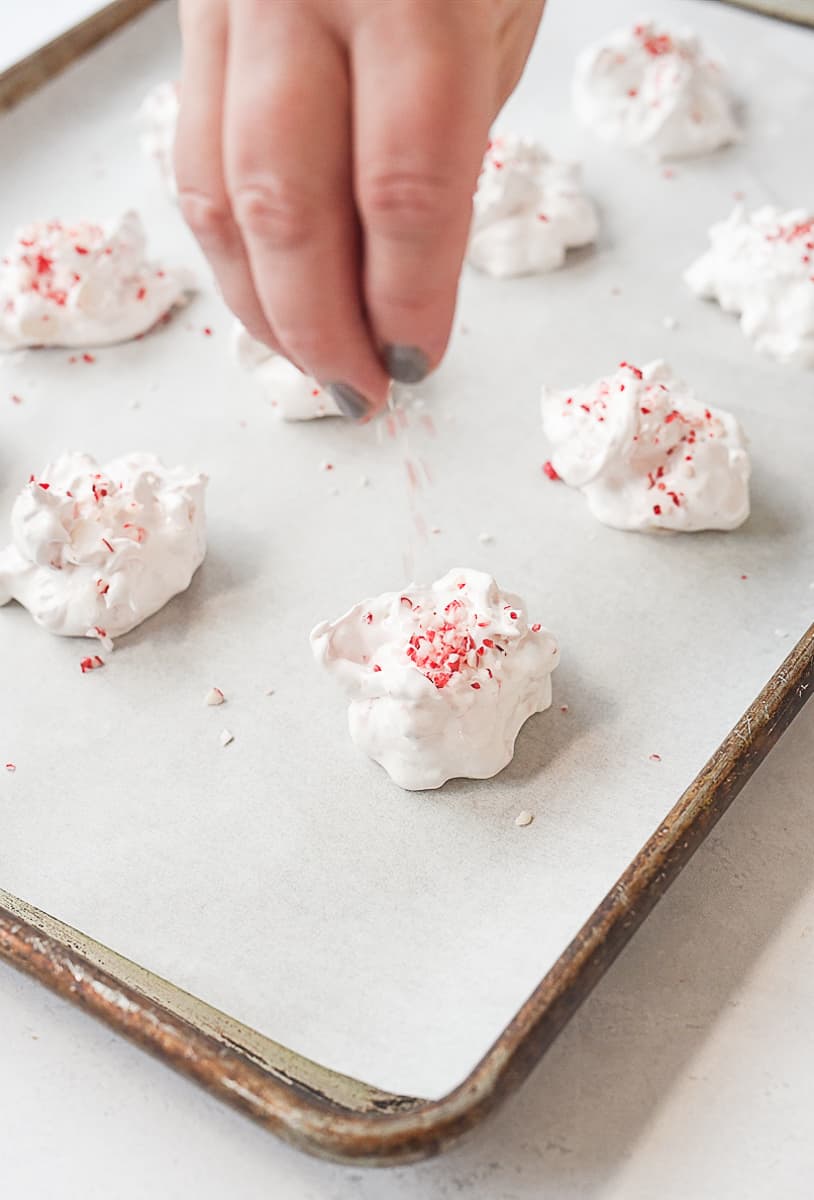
406,364
349,402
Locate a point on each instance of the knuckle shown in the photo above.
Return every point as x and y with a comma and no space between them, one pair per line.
407,200
208,218
275,211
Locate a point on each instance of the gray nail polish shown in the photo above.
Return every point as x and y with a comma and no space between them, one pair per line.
406,364
349,402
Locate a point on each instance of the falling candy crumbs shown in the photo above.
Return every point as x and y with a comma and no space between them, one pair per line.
214,696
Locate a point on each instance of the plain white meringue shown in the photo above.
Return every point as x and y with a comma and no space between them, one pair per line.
292,395
440,677
761,267
655,89
157,117
97,550
529,210
83,284
646,454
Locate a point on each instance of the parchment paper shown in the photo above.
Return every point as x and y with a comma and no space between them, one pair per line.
284,878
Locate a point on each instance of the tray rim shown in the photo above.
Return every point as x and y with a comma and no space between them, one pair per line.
792,11
24,77
311,1106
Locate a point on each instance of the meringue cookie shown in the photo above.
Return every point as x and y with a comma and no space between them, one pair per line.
82,285
441,678
98,550
654,89
647,454
158,117
293,396
762,268
528,210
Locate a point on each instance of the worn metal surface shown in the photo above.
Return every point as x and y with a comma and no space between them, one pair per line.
340,1118
35,69
799,11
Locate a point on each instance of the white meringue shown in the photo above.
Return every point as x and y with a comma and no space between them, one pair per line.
441,678
158,117
82,285
528,210
293,396
654,89
96,551
761,267
647,454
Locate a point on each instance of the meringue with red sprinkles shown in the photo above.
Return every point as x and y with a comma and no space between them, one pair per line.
647,454
83,284
440,678
654,89
529,210
292,395
761,268
96,550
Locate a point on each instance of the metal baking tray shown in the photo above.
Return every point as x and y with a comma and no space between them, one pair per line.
801,11
377,935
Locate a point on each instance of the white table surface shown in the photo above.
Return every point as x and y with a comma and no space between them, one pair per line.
687,1074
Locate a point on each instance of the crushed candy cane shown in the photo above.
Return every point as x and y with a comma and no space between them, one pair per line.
97,632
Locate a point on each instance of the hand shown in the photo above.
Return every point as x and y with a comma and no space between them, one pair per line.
326,156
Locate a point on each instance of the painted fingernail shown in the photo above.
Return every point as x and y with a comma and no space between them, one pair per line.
406,364
349,402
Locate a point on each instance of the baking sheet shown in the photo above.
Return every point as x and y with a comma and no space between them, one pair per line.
284,878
